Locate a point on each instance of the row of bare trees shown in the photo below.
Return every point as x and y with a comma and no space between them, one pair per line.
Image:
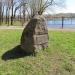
8,8
22,10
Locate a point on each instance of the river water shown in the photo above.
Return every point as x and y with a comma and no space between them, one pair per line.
57,23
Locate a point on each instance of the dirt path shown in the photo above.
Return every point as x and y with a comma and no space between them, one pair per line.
11,27
50,29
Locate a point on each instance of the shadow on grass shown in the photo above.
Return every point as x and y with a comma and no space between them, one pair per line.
14,53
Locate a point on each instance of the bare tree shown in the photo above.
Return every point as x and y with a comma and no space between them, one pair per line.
8,7
21,8
0,12
3,5
36,27
12,7
40,6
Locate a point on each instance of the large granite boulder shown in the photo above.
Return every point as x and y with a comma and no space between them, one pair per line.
35,35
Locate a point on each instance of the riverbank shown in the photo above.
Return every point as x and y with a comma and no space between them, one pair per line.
63,30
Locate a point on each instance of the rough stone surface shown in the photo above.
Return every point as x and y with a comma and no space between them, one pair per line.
35,35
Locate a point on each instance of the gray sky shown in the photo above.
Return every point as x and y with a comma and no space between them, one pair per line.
69,8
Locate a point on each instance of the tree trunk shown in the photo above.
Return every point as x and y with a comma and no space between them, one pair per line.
0,13
3,14
6,15
12,14
35,35
20,14
24,13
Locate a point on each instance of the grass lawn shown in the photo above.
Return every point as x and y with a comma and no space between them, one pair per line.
57,59
16,23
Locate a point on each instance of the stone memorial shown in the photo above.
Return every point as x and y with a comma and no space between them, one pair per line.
35,35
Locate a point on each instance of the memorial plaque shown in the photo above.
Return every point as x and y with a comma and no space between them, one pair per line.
39,39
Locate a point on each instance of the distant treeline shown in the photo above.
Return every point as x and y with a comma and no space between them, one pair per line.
60,15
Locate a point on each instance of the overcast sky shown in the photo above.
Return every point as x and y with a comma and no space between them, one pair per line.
68,8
